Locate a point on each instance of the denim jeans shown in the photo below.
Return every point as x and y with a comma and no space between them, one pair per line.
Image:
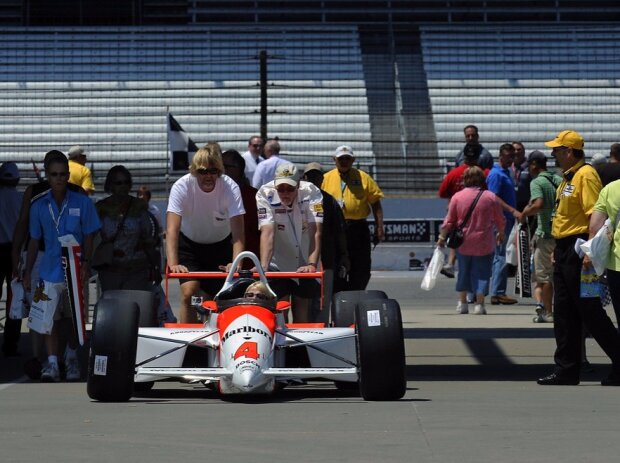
499,278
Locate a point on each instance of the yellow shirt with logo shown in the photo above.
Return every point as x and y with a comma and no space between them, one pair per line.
355,191
80,175
575,200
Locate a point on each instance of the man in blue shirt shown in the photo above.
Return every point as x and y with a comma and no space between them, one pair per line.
57,213
500,182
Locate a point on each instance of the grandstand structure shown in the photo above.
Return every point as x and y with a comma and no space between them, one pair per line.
397,80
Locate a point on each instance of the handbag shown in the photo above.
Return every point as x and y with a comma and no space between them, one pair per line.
103,255
455,237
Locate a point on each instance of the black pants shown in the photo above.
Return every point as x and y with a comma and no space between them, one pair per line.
358,245
571,310
12,328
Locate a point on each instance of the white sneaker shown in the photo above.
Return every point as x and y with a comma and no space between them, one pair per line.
462,308
72,370
479,309
50,373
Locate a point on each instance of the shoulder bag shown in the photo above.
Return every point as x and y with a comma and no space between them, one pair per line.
455,237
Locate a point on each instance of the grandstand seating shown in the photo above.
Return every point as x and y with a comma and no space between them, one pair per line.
523,83
109,89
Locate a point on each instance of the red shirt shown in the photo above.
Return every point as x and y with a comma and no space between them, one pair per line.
453,182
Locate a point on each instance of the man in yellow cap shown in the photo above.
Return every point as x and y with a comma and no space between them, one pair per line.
575,199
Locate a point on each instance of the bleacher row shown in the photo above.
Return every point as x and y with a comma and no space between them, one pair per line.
402,109
110,89
523,83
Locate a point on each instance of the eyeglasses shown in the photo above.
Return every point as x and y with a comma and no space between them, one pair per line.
58,174
210,171
256,295
285,189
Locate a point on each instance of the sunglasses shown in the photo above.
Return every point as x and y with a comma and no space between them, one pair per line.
210,171
58,174
256,295
344,158
121,182
285,189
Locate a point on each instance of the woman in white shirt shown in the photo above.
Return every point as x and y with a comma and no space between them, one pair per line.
204,225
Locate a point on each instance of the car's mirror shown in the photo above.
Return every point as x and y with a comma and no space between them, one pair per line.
210,305
283,305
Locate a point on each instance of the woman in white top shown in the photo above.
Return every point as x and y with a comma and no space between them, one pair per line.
204,229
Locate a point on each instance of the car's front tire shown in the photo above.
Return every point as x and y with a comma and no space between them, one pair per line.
111,363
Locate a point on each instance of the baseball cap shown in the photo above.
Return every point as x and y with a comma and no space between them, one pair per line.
567,138
76,151
313,166
286,173
537,156
9,171
343,150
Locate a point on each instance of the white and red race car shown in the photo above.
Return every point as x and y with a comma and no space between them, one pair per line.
246,347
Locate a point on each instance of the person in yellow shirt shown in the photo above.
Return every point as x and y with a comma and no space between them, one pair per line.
575,200
79,174
357,194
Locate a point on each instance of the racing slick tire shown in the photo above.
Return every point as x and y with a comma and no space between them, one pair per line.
345,302
112,359
380,350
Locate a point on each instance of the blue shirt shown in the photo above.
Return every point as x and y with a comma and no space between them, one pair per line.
77,216
500,183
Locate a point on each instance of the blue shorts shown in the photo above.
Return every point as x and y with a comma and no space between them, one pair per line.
474,273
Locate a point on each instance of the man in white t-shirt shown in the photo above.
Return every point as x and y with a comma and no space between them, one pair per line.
204,225
252,156
265,170
290,217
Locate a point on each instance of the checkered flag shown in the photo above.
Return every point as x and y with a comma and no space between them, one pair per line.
182,148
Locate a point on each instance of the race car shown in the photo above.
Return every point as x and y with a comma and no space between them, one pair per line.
246,346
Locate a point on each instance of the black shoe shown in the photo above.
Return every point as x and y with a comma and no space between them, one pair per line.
557,379
612,380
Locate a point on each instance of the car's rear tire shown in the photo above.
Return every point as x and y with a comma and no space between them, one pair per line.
380,350
345,302
112,359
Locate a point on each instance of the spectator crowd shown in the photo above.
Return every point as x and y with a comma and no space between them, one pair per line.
519,201
227,203
313,220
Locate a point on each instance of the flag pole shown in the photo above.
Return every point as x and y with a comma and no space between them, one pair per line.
167,149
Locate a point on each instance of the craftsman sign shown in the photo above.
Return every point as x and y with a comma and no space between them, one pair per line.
408,230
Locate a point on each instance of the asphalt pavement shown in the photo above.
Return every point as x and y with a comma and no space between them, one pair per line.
472,397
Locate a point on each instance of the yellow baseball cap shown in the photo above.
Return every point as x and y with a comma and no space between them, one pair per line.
567,138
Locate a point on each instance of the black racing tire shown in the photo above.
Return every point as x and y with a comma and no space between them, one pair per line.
380,350
345,302
112,359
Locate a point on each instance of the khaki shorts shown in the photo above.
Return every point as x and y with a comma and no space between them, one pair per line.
543,265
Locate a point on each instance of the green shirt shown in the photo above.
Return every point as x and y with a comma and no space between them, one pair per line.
544,186
609,204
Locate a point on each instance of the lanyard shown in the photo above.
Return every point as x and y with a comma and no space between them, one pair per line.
57,220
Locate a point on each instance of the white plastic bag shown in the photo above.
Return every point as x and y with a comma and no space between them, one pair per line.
434,267
44,303
19,303
597,249
512,254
